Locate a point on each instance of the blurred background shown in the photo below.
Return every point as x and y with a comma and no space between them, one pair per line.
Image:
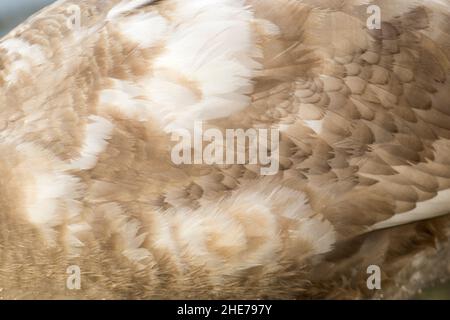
13,12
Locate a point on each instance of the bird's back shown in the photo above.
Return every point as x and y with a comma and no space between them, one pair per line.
96,96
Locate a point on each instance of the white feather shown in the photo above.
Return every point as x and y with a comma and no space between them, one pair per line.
97,134
438,206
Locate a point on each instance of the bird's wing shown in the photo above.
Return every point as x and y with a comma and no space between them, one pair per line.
92,94
365,112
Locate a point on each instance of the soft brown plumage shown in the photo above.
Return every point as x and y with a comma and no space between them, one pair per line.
86,120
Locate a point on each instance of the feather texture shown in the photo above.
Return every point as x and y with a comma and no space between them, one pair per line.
86,120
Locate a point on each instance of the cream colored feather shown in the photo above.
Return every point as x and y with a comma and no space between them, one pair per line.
87,115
